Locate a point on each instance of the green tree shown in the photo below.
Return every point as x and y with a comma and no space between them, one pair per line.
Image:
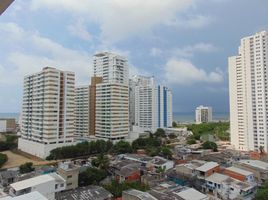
160,133
262,192
91,176
166,153
191,141
26,167
3,159
122,147
174,124
172,136
210,145
102,162
117,188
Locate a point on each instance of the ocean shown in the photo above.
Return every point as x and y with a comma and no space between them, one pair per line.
190,116
177,116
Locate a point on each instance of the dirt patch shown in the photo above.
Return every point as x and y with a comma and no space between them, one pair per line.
15,159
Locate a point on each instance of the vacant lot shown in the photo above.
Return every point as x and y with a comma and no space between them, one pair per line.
16,159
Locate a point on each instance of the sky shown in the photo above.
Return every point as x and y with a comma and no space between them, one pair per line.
184,44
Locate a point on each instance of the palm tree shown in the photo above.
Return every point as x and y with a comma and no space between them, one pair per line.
102,161
261,148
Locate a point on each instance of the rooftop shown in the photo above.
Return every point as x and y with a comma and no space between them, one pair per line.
141,195
255,163
30,196
91,192
35,181
239,171
217,178
207,166
192,194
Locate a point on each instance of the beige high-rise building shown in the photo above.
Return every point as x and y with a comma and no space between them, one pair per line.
48,111
82,111
92,104
248,88
112,113
203,114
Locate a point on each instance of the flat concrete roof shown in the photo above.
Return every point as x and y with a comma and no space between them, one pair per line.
192,194
30,196
207,166
239,171
255,163
32,182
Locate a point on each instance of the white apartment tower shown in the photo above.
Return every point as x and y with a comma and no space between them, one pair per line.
82,112
112,107
150,104
248,88
203,114
47,111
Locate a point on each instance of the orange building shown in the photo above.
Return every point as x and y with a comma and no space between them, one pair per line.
239,174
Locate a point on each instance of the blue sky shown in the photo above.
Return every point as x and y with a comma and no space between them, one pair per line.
182,43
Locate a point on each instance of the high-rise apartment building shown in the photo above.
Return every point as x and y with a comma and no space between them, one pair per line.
203,114
48,111
82,111
248,88
150,104
112,112
92,104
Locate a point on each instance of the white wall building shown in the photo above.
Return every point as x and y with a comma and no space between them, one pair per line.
46,185
150,104
203,114
248,93
47,111
82,112
112,107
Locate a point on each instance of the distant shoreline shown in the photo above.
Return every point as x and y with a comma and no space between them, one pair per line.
177,116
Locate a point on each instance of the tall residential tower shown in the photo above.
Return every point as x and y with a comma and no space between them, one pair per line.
47,111
203,114
112,112
150,104
248,87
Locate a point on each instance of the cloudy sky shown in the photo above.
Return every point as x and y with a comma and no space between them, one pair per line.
183,43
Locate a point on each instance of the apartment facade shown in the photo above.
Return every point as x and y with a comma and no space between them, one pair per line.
203,114
150,104
48,111
112,107
82,111
248,88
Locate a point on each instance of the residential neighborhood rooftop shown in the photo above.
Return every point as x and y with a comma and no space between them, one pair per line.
239,171
207,166
255,163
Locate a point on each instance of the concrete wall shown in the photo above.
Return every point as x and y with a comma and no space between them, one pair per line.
38,149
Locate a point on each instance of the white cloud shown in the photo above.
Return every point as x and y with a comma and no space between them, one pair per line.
36,52
189,51
183,72
79,30
155,52
119,19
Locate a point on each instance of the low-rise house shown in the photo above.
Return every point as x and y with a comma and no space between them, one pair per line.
257,167
225,187
30,196
69,172
152,179
8,177
188,169
133,194
90,192
240,174
207,169
47,185
171,191
159,162
126,170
